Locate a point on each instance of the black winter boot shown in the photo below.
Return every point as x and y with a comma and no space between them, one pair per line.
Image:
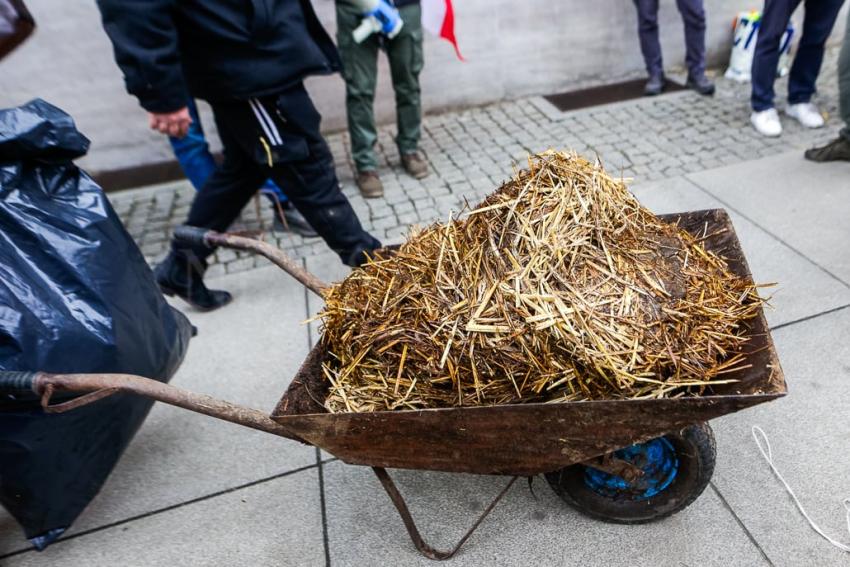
701,84
183,276
654,85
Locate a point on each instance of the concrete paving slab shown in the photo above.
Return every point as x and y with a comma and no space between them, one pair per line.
277,523
805,204
809,433
521,530
804,289
246,353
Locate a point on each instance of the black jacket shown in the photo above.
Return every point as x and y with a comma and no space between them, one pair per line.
217,50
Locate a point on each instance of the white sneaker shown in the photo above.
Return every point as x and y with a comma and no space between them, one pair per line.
767,122
806,114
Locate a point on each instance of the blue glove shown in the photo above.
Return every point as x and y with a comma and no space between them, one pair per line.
387,15
379,16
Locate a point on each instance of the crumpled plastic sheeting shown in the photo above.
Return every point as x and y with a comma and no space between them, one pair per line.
76,295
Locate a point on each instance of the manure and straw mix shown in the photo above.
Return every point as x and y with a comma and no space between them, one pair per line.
560,286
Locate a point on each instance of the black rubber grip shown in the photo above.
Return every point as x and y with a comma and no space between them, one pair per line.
16,382
191,235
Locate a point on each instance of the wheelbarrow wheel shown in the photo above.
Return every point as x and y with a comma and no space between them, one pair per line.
676,467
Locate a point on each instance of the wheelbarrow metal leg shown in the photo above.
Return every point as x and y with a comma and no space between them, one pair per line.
413,531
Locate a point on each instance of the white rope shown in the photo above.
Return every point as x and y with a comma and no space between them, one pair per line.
768,456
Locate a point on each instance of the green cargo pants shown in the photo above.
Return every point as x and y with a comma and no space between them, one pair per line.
844,80
360,71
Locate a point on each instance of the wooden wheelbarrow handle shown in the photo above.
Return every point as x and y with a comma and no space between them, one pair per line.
98,386
211,238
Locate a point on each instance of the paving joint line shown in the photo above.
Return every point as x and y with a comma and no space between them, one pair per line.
743,526
810,317
773,235
321,471
324,508
319,465
168,508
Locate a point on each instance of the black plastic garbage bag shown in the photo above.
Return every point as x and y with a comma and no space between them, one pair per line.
75,296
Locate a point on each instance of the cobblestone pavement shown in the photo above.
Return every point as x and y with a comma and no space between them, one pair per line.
472,151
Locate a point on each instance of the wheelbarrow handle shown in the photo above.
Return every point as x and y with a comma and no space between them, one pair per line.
97,386
191,234
17,382
201,236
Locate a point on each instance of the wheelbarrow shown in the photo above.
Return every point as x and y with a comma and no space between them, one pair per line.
624,461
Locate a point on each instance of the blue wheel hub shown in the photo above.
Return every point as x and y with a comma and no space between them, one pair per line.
656,458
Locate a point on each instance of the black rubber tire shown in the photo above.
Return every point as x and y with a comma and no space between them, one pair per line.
696,451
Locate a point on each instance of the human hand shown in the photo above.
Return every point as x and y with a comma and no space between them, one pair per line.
174,124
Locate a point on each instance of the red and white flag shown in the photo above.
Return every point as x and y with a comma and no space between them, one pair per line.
438,17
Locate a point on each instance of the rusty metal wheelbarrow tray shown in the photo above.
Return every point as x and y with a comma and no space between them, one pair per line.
529,439
517,440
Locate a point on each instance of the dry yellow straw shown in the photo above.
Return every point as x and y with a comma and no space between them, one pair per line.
559,286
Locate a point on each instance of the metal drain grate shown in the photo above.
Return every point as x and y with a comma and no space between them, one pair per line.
605,94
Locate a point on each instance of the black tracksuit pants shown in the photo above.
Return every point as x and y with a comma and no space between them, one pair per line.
278,137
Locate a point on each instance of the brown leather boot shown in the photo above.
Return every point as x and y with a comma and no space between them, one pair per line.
415,165
370,184
836,150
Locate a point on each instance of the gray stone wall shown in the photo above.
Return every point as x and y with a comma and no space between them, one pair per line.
512,49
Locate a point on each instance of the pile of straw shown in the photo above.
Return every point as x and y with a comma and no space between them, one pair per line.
559,286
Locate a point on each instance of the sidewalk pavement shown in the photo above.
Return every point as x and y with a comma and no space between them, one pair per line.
194,491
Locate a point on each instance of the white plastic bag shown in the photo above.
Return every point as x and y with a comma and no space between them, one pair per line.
744,46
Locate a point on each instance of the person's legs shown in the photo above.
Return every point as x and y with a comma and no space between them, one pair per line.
194,156
273,192
774,20
693,16
839,148
286,218
215,206
232,185
650,47
406,61
310,178
844,80
280,136
193,152
817,24
360,71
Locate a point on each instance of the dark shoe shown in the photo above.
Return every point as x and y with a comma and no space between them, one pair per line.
292,221
415,165
180,276
654,86
700,84
836,150
370,184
